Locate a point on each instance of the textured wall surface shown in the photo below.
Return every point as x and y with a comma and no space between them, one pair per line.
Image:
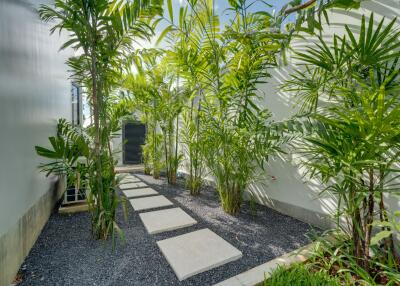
35,92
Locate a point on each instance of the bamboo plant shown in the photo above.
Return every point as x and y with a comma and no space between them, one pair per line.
222,68
354,143
102,33
187,57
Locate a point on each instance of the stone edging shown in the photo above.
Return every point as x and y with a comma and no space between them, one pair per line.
258,274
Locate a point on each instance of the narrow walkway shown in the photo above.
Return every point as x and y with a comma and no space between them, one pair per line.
188,254
67,254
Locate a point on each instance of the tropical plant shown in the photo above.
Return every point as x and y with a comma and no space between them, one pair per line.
333,254
185,56
228,65
170,108
152,153
71,155
310,12
389,228
68,147
145,97
102,32
353,145
191,138
160,103
385,239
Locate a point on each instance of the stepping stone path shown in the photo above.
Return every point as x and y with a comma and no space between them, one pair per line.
166,220
188,254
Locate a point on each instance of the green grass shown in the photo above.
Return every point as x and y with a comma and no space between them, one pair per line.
299,275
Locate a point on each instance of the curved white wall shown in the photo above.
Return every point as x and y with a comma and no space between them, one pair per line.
35,91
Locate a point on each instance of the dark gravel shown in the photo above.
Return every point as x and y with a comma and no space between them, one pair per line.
66,253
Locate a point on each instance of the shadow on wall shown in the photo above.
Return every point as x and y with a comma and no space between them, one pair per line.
282,186
117,147
23,3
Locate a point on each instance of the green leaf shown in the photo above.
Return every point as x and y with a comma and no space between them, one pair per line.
164,34
382,224
170,10
344,4
379,236
263,13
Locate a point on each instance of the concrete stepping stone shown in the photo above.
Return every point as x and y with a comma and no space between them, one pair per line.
132,186
196,252
133,193
150,203
166,220
129,180
123,174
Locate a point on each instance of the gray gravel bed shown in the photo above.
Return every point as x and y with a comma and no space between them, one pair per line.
66,253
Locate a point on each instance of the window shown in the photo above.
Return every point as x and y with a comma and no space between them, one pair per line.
76,104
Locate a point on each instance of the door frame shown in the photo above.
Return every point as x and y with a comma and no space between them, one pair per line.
135,122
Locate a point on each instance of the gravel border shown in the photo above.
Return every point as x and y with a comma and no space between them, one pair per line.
66,254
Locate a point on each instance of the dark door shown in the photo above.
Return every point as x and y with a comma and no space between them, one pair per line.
133,136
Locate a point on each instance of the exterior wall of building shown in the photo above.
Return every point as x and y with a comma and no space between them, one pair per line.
35,92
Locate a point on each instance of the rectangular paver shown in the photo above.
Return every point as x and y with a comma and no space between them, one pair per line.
130,179
132,186
196,252
150,203
142,192
124,174
166,220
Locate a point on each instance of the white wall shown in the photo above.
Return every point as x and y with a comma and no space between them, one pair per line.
35,92
290,192
117,147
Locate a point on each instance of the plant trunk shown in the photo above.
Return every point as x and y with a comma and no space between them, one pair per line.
100,229
146,161
190,147
197,172
356,226
369,217
231,198
176,161
166,155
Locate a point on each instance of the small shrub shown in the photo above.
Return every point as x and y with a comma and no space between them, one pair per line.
336,258
299,275
194,184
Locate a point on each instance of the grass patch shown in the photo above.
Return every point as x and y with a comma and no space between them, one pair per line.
300,275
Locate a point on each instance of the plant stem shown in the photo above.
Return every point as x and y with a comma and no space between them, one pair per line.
300,7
